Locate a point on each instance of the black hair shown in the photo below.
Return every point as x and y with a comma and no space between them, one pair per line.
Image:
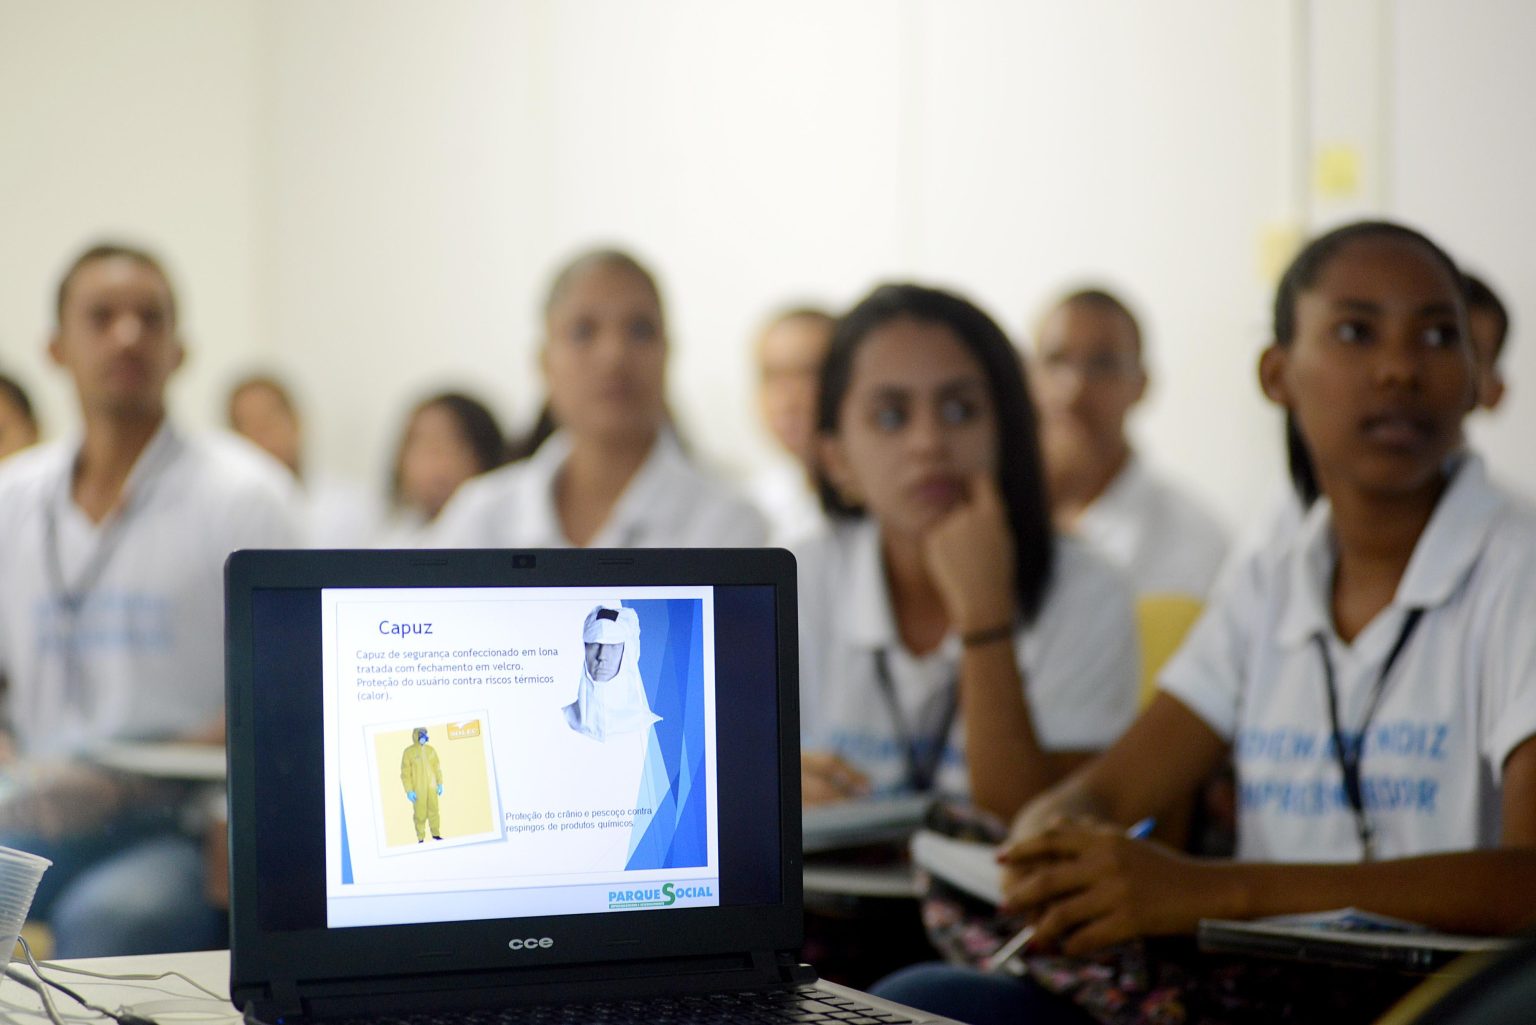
1104,301
12,391
1303,274
1020,476
1481,297
476,423
600,259
113,250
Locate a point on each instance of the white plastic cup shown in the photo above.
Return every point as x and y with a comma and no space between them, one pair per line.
20,873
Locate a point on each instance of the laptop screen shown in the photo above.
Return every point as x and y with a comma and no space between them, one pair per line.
454,752
506,752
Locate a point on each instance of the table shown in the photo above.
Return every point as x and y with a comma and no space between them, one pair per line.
824,878
201,765
167,1001
178,760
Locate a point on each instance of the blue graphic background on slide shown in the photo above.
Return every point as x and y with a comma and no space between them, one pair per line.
673,783
346,848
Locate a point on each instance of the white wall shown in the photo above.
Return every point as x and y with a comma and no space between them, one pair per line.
369,195
1464,164
133,121
1142,145
431,167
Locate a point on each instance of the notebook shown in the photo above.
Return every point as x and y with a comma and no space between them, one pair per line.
1345,937
507,786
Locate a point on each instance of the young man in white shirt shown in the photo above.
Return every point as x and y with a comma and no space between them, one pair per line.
1088,375
112,546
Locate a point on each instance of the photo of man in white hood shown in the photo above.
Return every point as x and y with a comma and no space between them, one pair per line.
611,696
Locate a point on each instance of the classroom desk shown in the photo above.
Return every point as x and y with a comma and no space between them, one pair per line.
166,1000
829,879
185,761
834,838
202,768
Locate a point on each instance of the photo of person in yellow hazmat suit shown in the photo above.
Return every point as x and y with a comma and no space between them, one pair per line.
422,776
611,697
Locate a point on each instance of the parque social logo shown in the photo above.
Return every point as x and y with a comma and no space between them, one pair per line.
663,896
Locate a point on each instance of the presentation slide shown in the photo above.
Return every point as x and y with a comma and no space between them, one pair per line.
505,752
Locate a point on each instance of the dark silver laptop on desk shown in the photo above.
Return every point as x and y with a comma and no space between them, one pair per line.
518,786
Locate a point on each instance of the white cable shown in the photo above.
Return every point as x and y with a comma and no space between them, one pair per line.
12,1012
205,1006
12,972
42,983
54,966
33,1012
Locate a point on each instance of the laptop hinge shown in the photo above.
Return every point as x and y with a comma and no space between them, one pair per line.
786,967
285,1001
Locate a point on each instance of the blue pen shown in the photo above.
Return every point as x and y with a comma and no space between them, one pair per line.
1008,951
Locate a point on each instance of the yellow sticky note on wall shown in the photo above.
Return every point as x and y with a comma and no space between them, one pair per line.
1278,242
1338,171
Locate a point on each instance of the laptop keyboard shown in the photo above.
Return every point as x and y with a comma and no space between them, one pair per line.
806,1004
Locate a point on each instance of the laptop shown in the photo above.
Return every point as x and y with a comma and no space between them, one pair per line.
518,786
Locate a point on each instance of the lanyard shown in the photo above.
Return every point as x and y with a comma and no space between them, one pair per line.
70,599
922,757
1347,755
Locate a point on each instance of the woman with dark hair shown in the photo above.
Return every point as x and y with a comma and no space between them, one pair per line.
612,473
448,439
950,641
18,423
1373,679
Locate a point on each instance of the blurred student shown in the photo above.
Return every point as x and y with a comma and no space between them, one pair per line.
1375,683
612,474
1488,320
335,514
1089,374
448,439
790,351
950,641
18,423
112,549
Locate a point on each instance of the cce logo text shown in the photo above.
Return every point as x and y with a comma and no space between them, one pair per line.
531,942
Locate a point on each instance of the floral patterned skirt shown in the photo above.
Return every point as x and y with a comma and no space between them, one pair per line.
1164,981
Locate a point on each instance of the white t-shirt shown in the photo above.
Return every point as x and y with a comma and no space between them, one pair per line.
1460,697
669,503
338,514
403,528
1268,534
144,655
1079,661
788,499
1161,536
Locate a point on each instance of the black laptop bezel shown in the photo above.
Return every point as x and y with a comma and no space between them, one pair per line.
267,962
